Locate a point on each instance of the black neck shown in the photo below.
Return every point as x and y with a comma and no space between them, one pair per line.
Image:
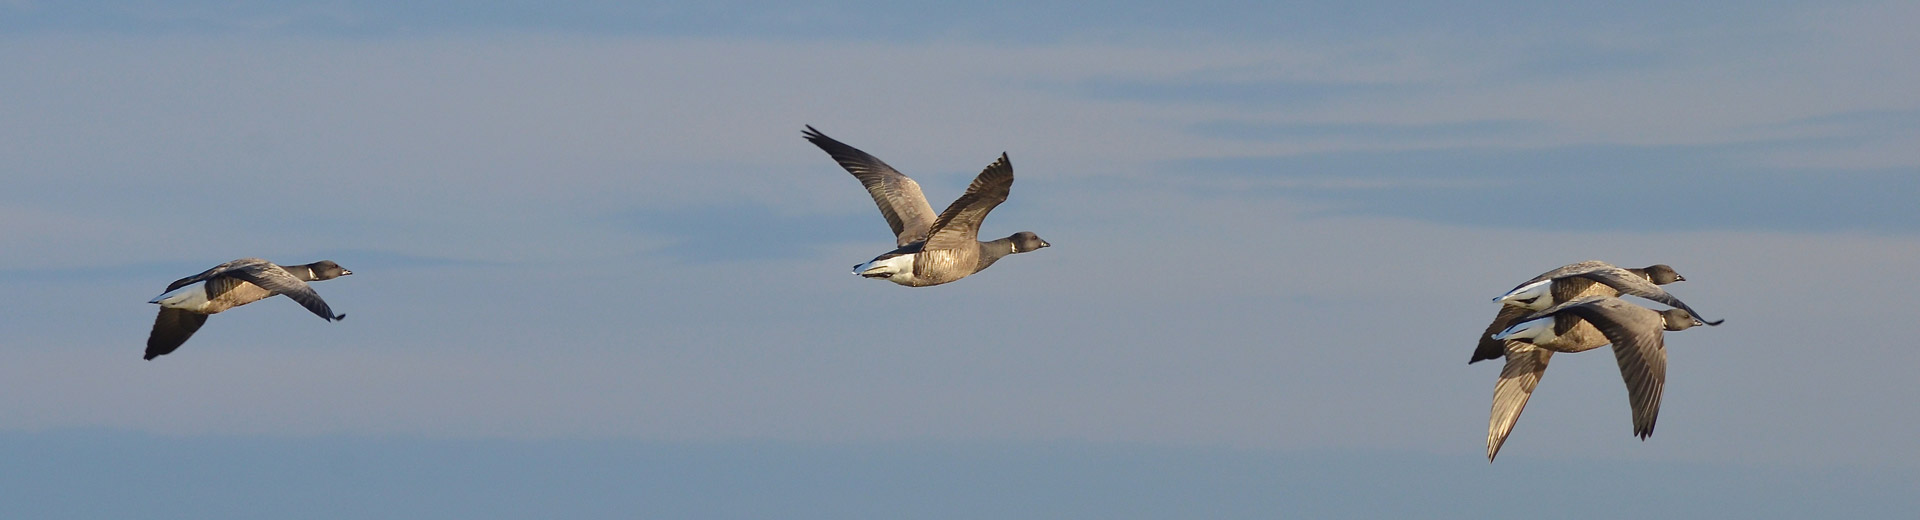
992,251
303,272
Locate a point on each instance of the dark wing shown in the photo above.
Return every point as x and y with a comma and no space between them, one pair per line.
959,225
902,250
171,329
1525,364
1490,348
279,281
1563,272
215,271
1638,335
898,197
1562,306
1628,283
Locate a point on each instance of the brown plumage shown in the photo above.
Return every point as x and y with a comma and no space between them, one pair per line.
188,301
898,197
1579,280
1525,364
931,250
1639,348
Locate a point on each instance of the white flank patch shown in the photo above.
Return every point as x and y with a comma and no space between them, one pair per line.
1536,331
192,298
895,266
1537,295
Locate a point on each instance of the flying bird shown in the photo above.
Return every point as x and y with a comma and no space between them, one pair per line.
1639,346
932,249
188,301
1574,281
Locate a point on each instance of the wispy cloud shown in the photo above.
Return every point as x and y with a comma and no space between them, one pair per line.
1585,188
740,232
1231,93
1863,124
1374,133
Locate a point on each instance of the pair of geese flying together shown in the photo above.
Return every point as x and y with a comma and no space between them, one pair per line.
1577,308
931,249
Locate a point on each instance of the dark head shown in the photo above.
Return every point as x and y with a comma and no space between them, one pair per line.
1025,241
1662,274
1680,319
327,270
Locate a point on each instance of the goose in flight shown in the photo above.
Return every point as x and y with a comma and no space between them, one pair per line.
188,301
1638,336
931,249
1574,281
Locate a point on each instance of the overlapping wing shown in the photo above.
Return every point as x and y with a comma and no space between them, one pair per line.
959,225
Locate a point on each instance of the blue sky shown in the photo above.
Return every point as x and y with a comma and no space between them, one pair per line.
592,252
218,476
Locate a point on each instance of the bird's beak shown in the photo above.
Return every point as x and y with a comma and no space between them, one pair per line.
344,272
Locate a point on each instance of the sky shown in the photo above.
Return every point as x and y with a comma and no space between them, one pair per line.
598,271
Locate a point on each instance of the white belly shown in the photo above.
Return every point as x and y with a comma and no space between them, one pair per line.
189,298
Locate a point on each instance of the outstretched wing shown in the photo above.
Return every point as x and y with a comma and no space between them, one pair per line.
171,329
1525,364
1638,335
898,197
959,225
1563,272
1549,311
279,281
1628,283
215,271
